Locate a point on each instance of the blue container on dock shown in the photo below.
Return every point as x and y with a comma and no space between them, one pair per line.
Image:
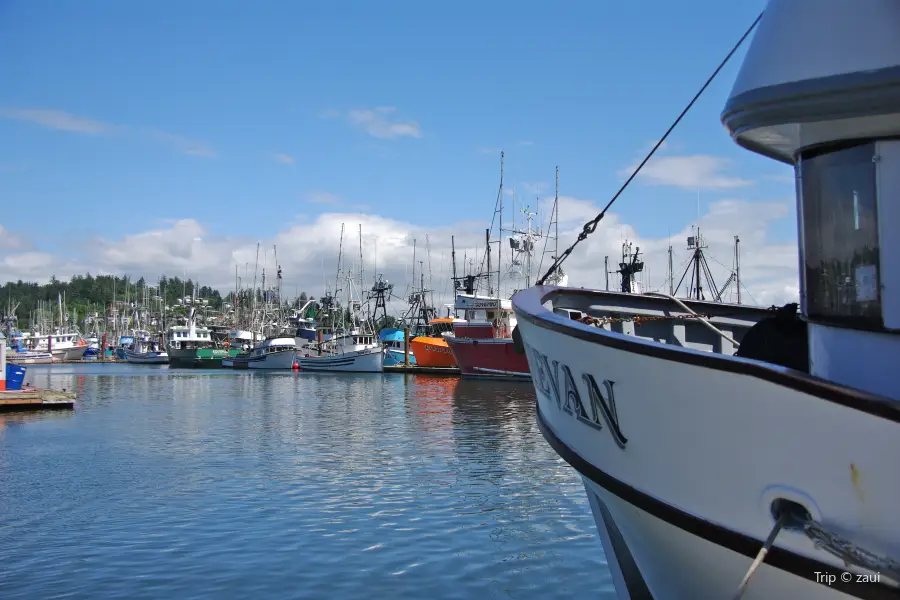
15,377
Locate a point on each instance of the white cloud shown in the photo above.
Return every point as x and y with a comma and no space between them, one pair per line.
323,198
308,250
182,144
57,119
11,241
690,172
526,143
285,159
63,121
334,201
377,122
488,150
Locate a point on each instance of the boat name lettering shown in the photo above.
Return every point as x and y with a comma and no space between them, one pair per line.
556,381
485,304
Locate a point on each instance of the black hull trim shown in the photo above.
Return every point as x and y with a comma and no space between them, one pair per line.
795,564
528,306
634,581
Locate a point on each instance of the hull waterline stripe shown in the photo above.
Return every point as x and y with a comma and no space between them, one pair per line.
795,564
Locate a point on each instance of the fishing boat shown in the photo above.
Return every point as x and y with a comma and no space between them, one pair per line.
347,352
482,341
730,453
346,340
271,353
29,357
395,346
432,349
145,351
192,346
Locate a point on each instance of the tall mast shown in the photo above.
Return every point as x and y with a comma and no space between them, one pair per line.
500,227
360,258
337,275
453,258
414,265
606,268
671,273
555,216
487,248
737,266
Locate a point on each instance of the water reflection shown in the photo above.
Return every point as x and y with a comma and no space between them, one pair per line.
293,485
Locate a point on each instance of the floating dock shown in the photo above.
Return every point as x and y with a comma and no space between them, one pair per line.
36,399
446,371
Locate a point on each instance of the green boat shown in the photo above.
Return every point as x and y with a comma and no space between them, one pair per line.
192,347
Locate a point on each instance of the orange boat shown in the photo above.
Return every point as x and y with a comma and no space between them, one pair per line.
432,350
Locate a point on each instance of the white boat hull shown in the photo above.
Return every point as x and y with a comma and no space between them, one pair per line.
29,358
683,453
146,358
73,353
370,360
283,359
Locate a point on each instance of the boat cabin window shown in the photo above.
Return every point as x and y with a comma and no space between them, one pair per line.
840,248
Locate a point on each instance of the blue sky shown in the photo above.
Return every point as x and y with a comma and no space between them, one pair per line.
123,116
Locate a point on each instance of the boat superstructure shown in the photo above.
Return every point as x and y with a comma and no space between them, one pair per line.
718,465
192,346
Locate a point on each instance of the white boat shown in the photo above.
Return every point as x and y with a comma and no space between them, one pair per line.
146,351
354,353
63,346
29,358
347,341
697,461
271,353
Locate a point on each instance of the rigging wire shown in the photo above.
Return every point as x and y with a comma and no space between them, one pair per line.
591,226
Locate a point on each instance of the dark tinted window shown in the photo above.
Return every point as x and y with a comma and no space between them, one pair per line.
840,230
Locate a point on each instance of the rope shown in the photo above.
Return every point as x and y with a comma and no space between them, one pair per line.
591,226
685,307
761,557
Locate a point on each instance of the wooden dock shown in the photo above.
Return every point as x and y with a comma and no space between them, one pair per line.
36,399
445,371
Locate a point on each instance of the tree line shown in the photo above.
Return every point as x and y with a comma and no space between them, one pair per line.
93,293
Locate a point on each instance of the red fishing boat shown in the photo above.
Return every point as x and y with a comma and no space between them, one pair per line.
482,344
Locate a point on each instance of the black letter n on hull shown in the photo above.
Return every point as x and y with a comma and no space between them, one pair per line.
600,405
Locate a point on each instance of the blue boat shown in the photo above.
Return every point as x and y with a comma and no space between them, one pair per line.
392,340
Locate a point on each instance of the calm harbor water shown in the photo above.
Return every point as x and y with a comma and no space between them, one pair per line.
183,484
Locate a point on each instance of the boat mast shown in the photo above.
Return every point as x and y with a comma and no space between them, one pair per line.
499,228
671,273
737,266
453,261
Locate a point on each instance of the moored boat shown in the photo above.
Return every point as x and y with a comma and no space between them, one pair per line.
432,350
144,350
271,353
709,435
191,346
482,345
396,349
351,353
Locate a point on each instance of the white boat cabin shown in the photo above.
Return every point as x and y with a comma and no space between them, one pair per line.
185,337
